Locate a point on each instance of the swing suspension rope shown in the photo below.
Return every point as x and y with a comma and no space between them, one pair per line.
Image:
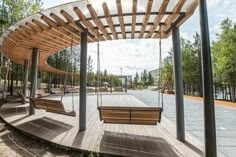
160,94
98,78
72,76
67,71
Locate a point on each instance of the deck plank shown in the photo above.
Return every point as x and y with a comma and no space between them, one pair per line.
119,139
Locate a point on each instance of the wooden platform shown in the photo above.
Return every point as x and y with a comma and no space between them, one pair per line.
123,140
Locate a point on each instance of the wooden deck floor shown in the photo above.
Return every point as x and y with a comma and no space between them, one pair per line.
124,140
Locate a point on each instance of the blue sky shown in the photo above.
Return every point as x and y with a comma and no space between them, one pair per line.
138,54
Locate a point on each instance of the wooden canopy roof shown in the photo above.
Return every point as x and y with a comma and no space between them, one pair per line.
52,30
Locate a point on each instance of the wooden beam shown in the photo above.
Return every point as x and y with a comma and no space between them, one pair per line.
16,36
98,21
27,29
190,10
160,35
70,26
109,20
70,20
73,25
38,25
120,16
158,18
54,33
65,30
87,23
44,35
172,17
146,17
67,16
134,10
46,40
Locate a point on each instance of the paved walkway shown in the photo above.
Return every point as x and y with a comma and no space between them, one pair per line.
225,118
217,102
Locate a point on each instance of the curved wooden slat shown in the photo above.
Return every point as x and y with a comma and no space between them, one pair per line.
146,17
98,22
120,16
158,18
134,10
109,20
88,24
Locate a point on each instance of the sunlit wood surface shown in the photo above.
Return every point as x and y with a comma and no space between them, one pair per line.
119,139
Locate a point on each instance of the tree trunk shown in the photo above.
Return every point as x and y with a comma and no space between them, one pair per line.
232,91
16,74
1,68
12,79
8,80
5,81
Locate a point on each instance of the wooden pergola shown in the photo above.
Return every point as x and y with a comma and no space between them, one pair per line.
52,30
35,38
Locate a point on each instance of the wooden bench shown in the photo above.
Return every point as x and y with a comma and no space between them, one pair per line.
90,90
103,89
118,89
130,115
73,90
56,91
54,106
24,100
41,93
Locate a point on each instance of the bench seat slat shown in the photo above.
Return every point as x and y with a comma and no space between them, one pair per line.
54,106
130,115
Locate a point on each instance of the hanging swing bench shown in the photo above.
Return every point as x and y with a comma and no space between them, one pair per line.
125,114
55,106
130,115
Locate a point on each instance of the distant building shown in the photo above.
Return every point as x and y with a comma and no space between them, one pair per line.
155,75
129,80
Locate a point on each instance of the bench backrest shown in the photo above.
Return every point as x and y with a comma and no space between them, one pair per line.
75,90
118,89
56,90
89,90
47,104
103,89
40,91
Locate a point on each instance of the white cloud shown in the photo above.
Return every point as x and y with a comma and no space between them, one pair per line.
131,55
213,3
